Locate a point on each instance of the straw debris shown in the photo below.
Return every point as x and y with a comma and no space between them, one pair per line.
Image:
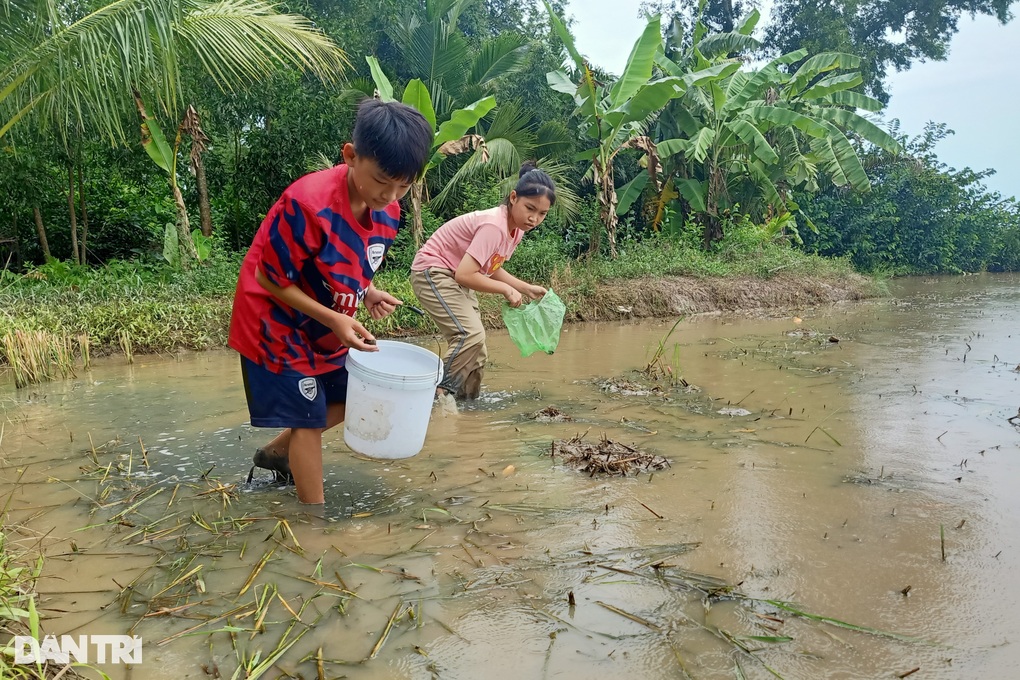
550,414
606,457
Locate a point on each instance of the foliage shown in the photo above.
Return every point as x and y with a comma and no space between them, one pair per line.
161,308
921,217
887,34
20,616
614,116
769,165
750,137
448,138
74,69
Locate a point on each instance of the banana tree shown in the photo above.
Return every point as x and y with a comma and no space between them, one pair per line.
177,239
616,116
450,137
753,136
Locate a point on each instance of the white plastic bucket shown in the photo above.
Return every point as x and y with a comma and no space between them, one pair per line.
389,399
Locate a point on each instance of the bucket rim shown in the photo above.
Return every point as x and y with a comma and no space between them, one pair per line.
429,378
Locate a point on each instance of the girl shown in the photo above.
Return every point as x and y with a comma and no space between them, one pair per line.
466,255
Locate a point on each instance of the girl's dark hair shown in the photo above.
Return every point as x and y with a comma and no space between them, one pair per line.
534,182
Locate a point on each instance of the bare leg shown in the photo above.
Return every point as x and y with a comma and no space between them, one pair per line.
306,464
280,446
303,449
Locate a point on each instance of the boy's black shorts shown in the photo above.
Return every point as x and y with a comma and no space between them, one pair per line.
290,399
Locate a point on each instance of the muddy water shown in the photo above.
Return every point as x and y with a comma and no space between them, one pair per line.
828,475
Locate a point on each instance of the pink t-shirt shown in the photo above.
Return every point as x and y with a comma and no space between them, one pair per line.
481,234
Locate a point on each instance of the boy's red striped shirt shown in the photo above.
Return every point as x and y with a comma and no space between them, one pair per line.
309,239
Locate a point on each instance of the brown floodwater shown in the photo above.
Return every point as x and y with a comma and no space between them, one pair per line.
871,481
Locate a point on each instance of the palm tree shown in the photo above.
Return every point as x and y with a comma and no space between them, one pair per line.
79,71
455,74
74,73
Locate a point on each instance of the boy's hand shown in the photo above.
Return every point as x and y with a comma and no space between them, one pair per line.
352,334
379,303
513,296
534,292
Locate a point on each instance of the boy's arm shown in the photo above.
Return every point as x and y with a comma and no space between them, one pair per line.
469,274
532,291
351,333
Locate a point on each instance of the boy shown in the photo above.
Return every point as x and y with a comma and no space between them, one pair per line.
309,267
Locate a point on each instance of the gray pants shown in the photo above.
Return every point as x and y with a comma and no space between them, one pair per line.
454,308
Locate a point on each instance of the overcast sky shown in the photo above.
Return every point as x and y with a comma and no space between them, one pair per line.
975,92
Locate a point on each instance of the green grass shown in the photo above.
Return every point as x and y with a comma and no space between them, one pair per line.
162,309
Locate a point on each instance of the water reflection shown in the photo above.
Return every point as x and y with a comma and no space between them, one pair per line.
852,441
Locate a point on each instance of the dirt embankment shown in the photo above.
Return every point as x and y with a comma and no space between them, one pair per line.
673,296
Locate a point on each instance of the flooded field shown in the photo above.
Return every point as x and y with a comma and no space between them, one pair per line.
839,502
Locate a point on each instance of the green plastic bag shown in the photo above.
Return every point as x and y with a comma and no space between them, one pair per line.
536,325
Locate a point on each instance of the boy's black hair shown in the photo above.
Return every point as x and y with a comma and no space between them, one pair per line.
534,182
395,136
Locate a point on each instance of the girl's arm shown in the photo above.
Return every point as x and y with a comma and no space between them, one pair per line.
346,328
531,291
469,274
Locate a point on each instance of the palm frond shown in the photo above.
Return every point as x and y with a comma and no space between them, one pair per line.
503,55
568,203
357,89
249,40
431,51
503,161
318,161
554,139
83,73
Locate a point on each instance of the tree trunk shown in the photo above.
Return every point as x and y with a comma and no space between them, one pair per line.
185,244
417,226
84,214
607,206
713,229
19,260
204,210
73,212
40,230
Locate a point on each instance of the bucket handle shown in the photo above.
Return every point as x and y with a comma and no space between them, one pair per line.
439,348
439,353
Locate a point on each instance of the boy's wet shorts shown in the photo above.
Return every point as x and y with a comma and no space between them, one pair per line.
290,399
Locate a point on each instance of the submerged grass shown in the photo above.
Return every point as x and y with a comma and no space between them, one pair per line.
19,615
261,604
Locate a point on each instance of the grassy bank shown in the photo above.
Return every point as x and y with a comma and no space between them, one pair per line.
66,314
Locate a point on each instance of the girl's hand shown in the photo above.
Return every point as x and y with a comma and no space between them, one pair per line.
352,334
379,303
513,296
535,292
